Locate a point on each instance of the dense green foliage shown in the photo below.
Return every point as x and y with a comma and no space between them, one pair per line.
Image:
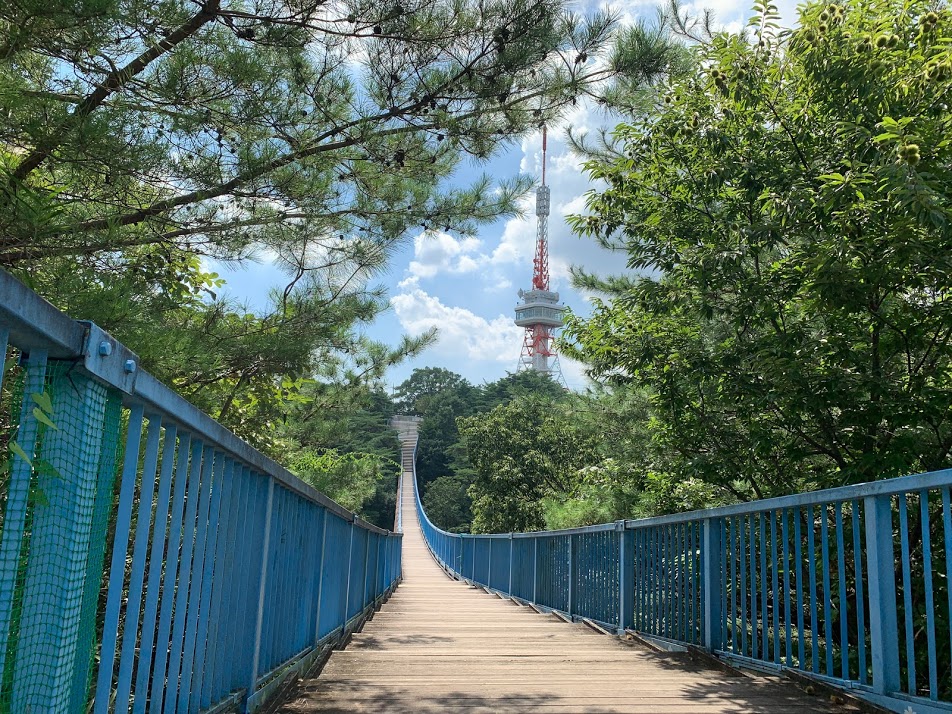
444,468
346,449
563,459
784,208
522,451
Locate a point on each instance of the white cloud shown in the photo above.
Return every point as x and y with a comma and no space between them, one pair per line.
517,242
409,283
462,332
438,252
471,338
568,184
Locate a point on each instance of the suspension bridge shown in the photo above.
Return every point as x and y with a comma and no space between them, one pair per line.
150,561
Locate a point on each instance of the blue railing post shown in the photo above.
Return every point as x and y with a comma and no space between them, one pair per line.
262,589
626,577
140,548
350,565
510,564
320,577
117,568
163,503
571,574
712,583
883,625
535,569
363,591
377,568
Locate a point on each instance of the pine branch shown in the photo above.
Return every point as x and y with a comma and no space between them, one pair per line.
112,83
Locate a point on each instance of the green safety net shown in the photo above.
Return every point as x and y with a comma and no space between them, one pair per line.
57,504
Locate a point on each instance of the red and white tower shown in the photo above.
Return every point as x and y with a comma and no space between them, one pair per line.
539,312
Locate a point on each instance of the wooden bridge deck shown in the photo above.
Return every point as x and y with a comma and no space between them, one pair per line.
441,646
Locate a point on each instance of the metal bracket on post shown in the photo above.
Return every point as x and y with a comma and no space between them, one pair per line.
626,577
712,583
107,359
881,567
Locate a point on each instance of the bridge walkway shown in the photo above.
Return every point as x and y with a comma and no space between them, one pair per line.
439,645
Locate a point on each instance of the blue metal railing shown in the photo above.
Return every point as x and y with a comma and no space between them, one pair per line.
151,561
847,585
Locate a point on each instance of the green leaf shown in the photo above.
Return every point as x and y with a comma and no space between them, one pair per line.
41,417
16,449
45,468
43,400
39,497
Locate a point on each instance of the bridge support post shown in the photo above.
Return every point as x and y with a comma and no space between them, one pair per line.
626,577
712,583
883,623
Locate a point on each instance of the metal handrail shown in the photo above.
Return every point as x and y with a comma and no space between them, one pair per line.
227,573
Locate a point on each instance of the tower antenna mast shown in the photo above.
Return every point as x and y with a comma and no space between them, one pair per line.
540,312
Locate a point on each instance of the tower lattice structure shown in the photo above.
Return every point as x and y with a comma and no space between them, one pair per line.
540,312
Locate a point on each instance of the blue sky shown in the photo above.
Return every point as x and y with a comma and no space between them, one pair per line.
467,286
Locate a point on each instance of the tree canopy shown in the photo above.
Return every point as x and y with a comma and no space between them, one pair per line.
319,131
784,208
522,451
